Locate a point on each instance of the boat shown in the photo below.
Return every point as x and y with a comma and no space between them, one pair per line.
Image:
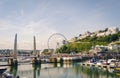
24,60
117,68
118,74
7,75
117,64
2,69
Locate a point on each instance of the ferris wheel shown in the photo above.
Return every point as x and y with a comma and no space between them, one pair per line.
55,41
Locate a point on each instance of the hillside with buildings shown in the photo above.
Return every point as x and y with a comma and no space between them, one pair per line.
99,33
101,40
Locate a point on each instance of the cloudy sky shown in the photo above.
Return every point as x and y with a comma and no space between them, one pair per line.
42,18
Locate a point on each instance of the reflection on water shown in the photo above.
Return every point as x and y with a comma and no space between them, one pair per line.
93,72
59,71
13,70
36,68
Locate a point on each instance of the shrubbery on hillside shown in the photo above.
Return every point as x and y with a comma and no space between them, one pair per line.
86,43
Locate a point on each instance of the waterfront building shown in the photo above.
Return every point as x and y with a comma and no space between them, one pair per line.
19,52
5,51
98,48
114,47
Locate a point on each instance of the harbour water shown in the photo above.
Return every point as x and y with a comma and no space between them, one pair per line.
59,71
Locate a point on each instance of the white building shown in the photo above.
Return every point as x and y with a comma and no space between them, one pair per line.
100,34
114,47
112,30
98,48
87,33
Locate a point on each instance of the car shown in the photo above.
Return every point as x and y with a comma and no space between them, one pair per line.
112,64
93,60
104,62
100,62
111,60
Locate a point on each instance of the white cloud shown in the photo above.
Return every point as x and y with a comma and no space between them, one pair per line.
6,43
40,29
